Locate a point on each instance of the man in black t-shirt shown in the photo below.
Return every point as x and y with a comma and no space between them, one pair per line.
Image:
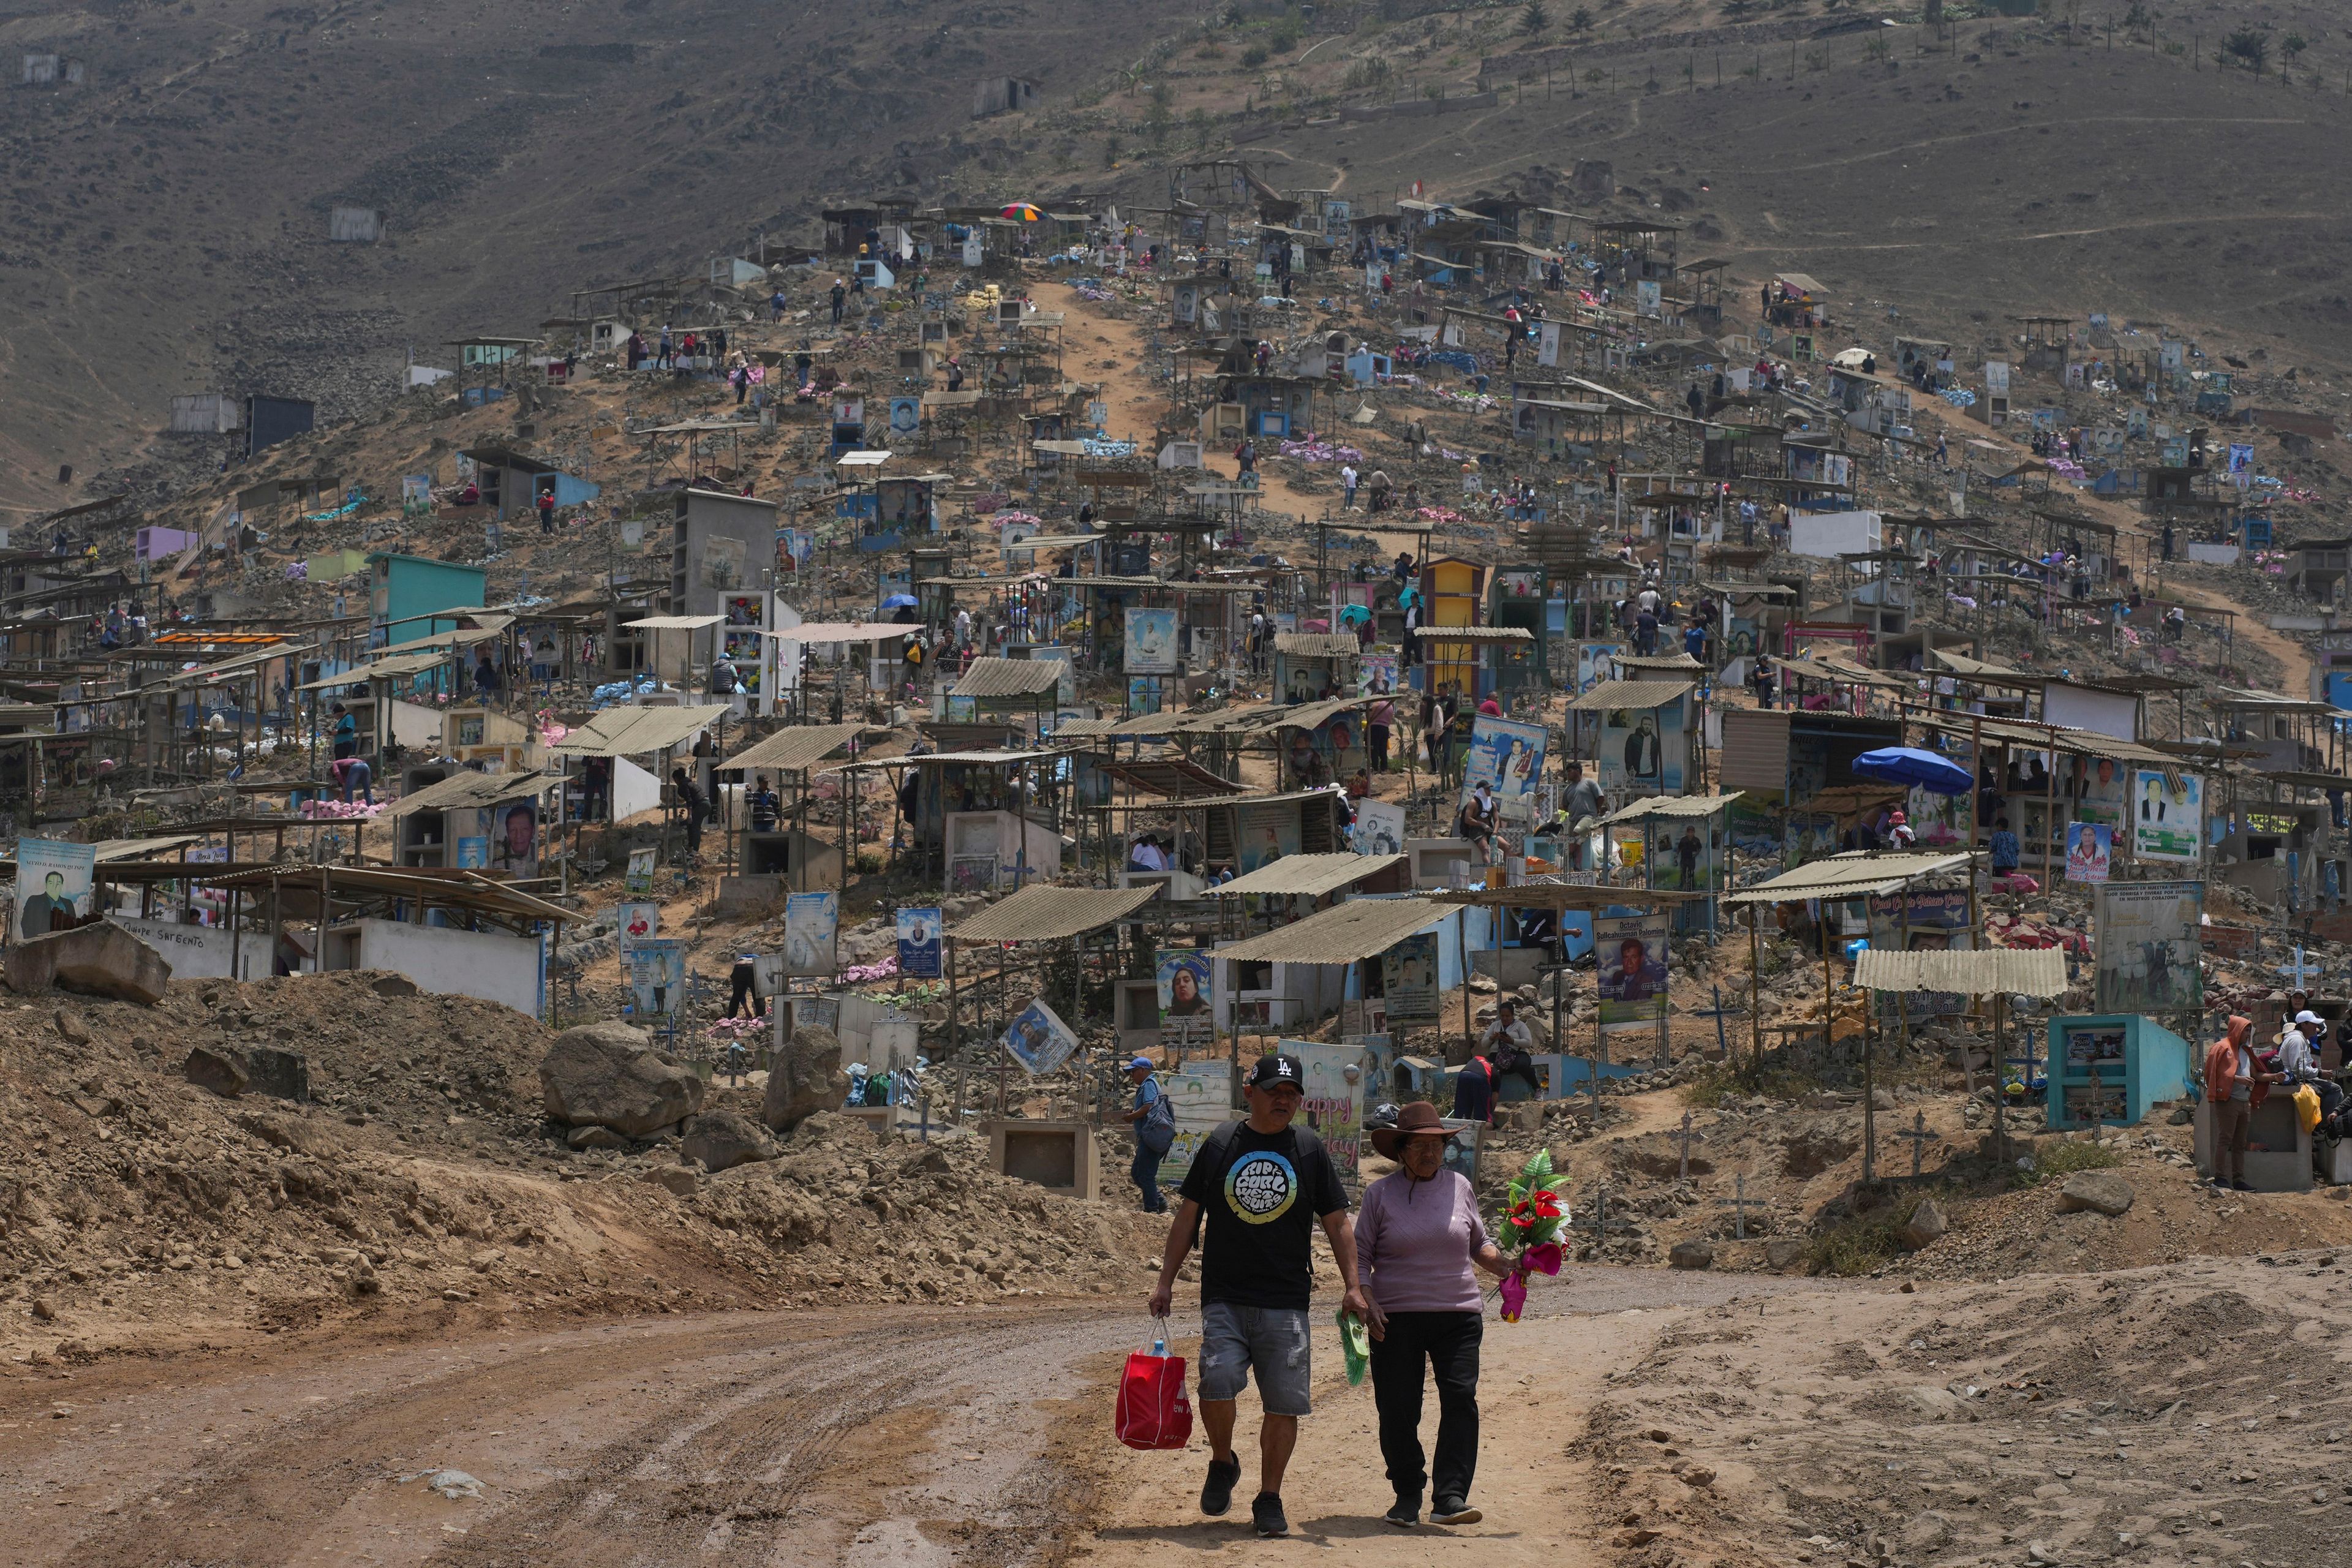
1262,1186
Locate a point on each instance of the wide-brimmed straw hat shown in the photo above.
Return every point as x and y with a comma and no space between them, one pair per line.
1419,1119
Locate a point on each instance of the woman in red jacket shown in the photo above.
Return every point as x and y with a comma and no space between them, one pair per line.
2235,1083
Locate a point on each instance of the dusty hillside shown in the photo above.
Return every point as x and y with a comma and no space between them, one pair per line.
166,229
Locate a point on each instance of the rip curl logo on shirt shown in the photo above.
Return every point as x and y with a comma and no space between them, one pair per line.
1261,1187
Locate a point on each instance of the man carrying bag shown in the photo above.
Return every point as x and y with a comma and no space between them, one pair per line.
1261,1185
1154,1121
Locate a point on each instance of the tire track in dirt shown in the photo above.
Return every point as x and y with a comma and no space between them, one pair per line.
744,1438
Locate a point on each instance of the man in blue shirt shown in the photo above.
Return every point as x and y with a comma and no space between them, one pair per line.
1155,1133
2005,852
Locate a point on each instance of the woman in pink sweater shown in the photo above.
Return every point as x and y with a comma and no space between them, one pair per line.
1419,1235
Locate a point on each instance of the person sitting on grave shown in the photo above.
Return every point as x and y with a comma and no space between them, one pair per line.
1508,1046
1144,855
1474,1091
2298,1062
1475,821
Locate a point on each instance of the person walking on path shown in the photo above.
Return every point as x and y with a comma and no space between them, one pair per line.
1419,1237
1261,1185
2235,1083
1154,1122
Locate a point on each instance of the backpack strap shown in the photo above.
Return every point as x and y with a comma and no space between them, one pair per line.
1216,1154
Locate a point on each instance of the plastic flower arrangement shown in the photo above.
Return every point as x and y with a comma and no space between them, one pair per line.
1532,1218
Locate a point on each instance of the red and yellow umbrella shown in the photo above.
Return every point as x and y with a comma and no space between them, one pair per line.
1023,212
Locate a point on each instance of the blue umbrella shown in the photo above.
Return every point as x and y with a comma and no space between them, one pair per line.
1910,766
908,601
1354,615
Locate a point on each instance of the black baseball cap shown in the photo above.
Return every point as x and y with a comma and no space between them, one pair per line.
1277,1068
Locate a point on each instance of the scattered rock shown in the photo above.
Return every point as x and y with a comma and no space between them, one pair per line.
1783,1252
71,1031
594,1137
1698,1476
393,985
609,1075
722,1139
223,1073
283,1075
1926,1223
1692,1255
100,960
804,1078
679,1180
45,1309
2098,1191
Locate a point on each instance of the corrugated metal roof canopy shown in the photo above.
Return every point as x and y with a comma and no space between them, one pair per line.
673,623
1174,776
1630,694
990,677
1674,805
1847,877
1251,798
1476,634
1307,876
1307,715
800,746
1970,971
407,664
1551,893
1344,934
1041,912
823,632
467,788
143,848
467,890
632,732
1318,645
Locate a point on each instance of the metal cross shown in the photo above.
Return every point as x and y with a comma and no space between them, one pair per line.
1719,1013
1686,1141
2299,970
1739,1203
1599,1222
1920,1138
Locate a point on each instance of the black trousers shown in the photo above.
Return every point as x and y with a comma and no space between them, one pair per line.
1448,1342
741,996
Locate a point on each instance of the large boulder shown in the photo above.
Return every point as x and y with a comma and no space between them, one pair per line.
1926,1224
223,1073
2098,1191
722,1139
608,1075
100,960
804,1078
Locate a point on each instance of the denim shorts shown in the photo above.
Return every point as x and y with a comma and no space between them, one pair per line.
1272,1339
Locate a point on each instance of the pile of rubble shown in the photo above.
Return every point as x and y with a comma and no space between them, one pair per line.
411,1162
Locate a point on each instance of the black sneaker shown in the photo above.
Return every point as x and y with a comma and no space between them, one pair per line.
1217,1491
1266,1514
1453,1511
1405,1513
2242,1186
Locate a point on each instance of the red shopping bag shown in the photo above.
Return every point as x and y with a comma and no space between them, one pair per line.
1153,1412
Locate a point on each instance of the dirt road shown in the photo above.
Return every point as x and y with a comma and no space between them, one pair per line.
901,1436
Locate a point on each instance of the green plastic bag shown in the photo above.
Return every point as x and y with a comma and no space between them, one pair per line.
1354,1344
